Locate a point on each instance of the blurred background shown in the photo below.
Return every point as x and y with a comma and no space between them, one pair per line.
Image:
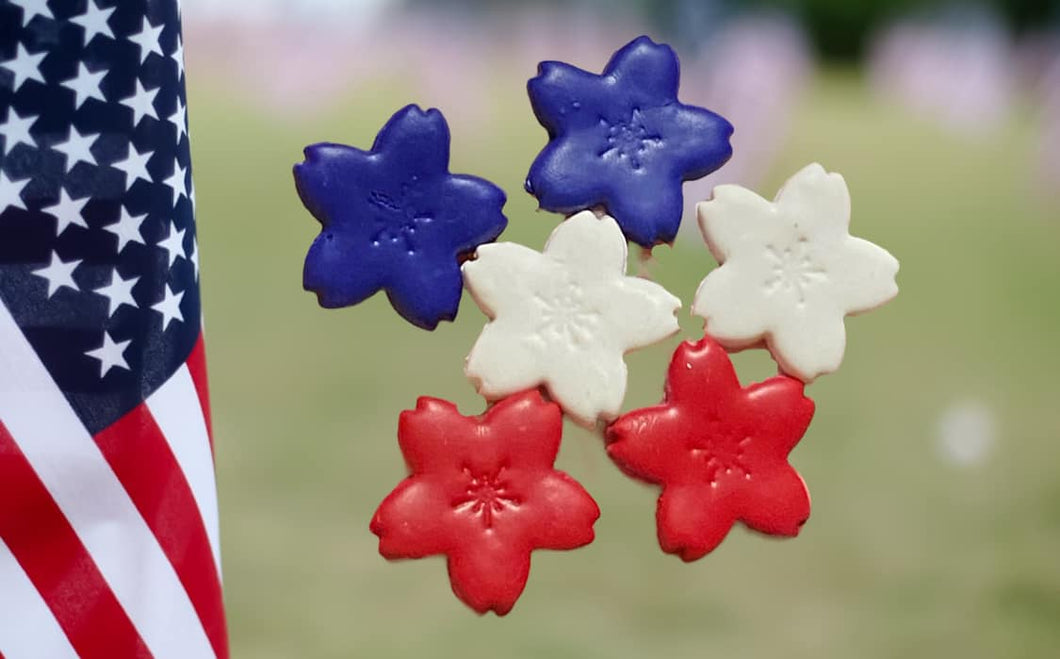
934,458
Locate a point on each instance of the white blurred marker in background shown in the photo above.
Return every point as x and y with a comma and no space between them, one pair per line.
966,433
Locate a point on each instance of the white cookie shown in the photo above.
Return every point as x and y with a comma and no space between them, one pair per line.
564,318
790,271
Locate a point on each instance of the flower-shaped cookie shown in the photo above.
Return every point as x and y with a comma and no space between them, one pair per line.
564,318
394,218
622,140
790,271
719,451
483,492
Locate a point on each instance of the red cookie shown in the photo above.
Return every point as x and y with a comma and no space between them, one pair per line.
482,491
719,450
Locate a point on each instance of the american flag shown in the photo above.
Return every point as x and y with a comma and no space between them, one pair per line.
108,505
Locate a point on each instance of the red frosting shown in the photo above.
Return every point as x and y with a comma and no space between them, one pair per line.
482,491
719,450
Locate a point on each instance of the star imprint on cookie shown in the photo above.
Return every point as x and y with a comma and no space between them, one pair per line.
395,219
719,450
483,491
565,317
789,271
623,141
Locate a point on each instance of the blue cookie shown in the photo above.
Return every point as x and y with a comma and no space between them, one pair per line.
622,140
395,219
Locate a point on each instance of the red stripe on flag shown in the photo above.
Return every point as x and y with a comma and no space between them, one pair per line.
57,564
142,460
197,366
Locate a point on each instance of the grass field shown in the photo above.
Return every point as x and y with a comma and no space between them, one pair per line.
906,555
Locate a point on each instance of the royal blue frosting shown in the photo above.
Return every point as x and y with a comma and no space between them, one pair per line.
623,141
395,219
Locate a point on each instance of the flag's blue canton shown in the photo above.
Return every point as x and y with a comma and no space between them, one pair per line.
98,258
622,140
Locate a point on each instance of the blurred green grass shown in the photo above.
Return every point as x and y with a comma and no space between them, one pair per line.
905,555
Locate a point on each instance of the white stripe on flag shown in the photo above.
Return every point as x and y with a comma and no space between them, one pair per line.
28,630
176,409
82,484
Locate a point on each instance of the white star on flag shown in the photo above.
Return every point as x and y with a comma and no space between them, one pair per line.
176,182
110,354
94,21
16,129
169,307
179,118
127,229
67,211
173,244
34,9
147,40
86,85
135,166
178,57
11,192
59,273
141,102
77,148
193,256
118,292
25,66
